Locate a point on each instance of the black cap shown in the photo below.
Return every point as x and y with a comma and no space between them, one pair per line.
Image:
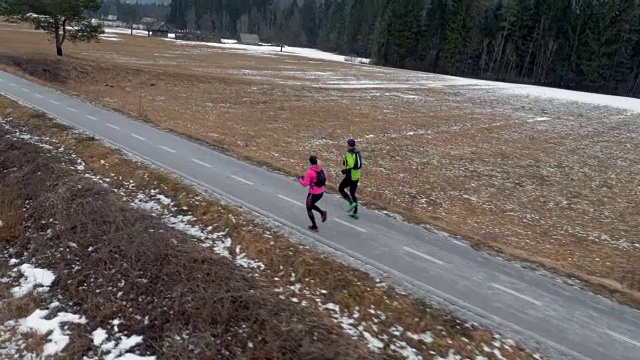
351,143
313,160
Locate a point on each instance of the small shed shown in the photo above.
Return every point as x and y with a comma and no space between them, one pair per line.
249,39
161,29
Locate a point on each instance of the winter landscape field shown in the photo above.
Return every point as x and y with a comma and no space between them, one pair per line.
545,176
132,264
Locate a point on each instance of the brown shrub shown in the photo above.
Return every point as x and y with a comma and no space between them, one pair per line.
113,261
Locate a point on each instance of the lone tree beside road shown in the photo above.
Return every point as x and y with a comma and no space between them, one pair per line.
62,19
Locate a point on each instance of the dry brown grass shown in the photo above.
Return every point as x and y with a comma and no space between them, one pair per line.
12,226
12,231
124,263
12,200
562,195
350,289
13,308
16,308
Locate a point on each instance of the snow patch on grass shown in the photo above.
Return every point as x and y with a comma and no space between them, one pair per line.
58,337
33,279
276,50
116,349
165,208
426,337
124,31
99,336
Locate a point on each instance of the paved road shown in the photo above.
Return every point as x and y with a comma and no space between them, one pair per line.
559,320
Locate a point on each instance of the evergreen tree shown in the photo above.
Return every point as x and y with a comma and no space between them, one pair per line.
62,19
580,44
310,22
381,47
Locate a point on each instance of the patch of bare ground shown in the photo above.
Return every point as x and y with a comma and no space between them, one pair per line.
124,264
551,183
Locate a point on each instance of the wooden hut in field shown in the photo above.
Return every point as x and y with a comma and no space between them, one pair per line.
161,29
249,39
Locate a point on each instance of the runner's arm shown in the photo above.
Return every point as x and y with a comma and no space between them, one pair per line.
345,164
305,180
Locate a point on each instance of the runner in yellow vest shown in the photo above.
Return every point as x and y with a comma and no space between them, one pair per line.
351,170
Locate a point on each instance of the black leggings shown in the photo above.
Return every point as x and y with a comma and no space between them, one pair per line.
353,186
312,199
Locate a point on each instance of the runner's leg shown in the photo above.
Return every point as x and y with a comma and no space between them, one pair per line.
310,206
343,185
352,189
315,199
315,207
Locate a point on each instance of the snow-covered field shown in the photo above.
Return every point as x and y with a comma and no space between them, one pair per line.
136,32
496,153
542,174
264,49
397,79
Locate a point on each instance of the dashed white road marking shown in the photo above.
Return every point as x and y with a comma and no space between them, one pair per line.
72,109
457,242
241,179
423,255
12,84
138,137
91,117
25,90
350,225
112,126
201,163
55,102
623,338
289,200
40,96
533,301
166,148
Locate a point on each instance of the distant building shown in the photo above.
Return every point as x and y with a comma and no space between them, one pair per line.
249,39
161,29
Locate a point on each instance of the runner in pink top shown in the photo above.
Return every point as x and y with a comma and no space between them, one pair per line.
315,180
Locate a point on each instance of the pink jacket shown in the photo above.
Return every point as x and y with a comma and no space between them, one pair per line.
310,179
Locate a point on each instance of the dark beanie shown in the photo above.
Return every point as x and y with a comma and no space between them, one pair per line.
313,160
351,143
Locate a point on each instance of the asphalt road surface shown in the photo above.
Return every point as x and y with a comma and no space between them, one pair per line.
556,319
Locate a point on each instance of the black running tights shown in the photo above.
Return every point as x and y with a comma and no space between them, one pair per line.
353,186
312,199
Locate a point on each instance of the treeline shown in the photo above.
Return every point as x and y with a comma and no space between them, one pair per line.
132,11
274,20
591,45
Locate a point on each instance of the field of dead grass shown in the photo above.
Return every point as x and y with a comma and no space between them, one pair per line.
193,291
554,183
118,263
